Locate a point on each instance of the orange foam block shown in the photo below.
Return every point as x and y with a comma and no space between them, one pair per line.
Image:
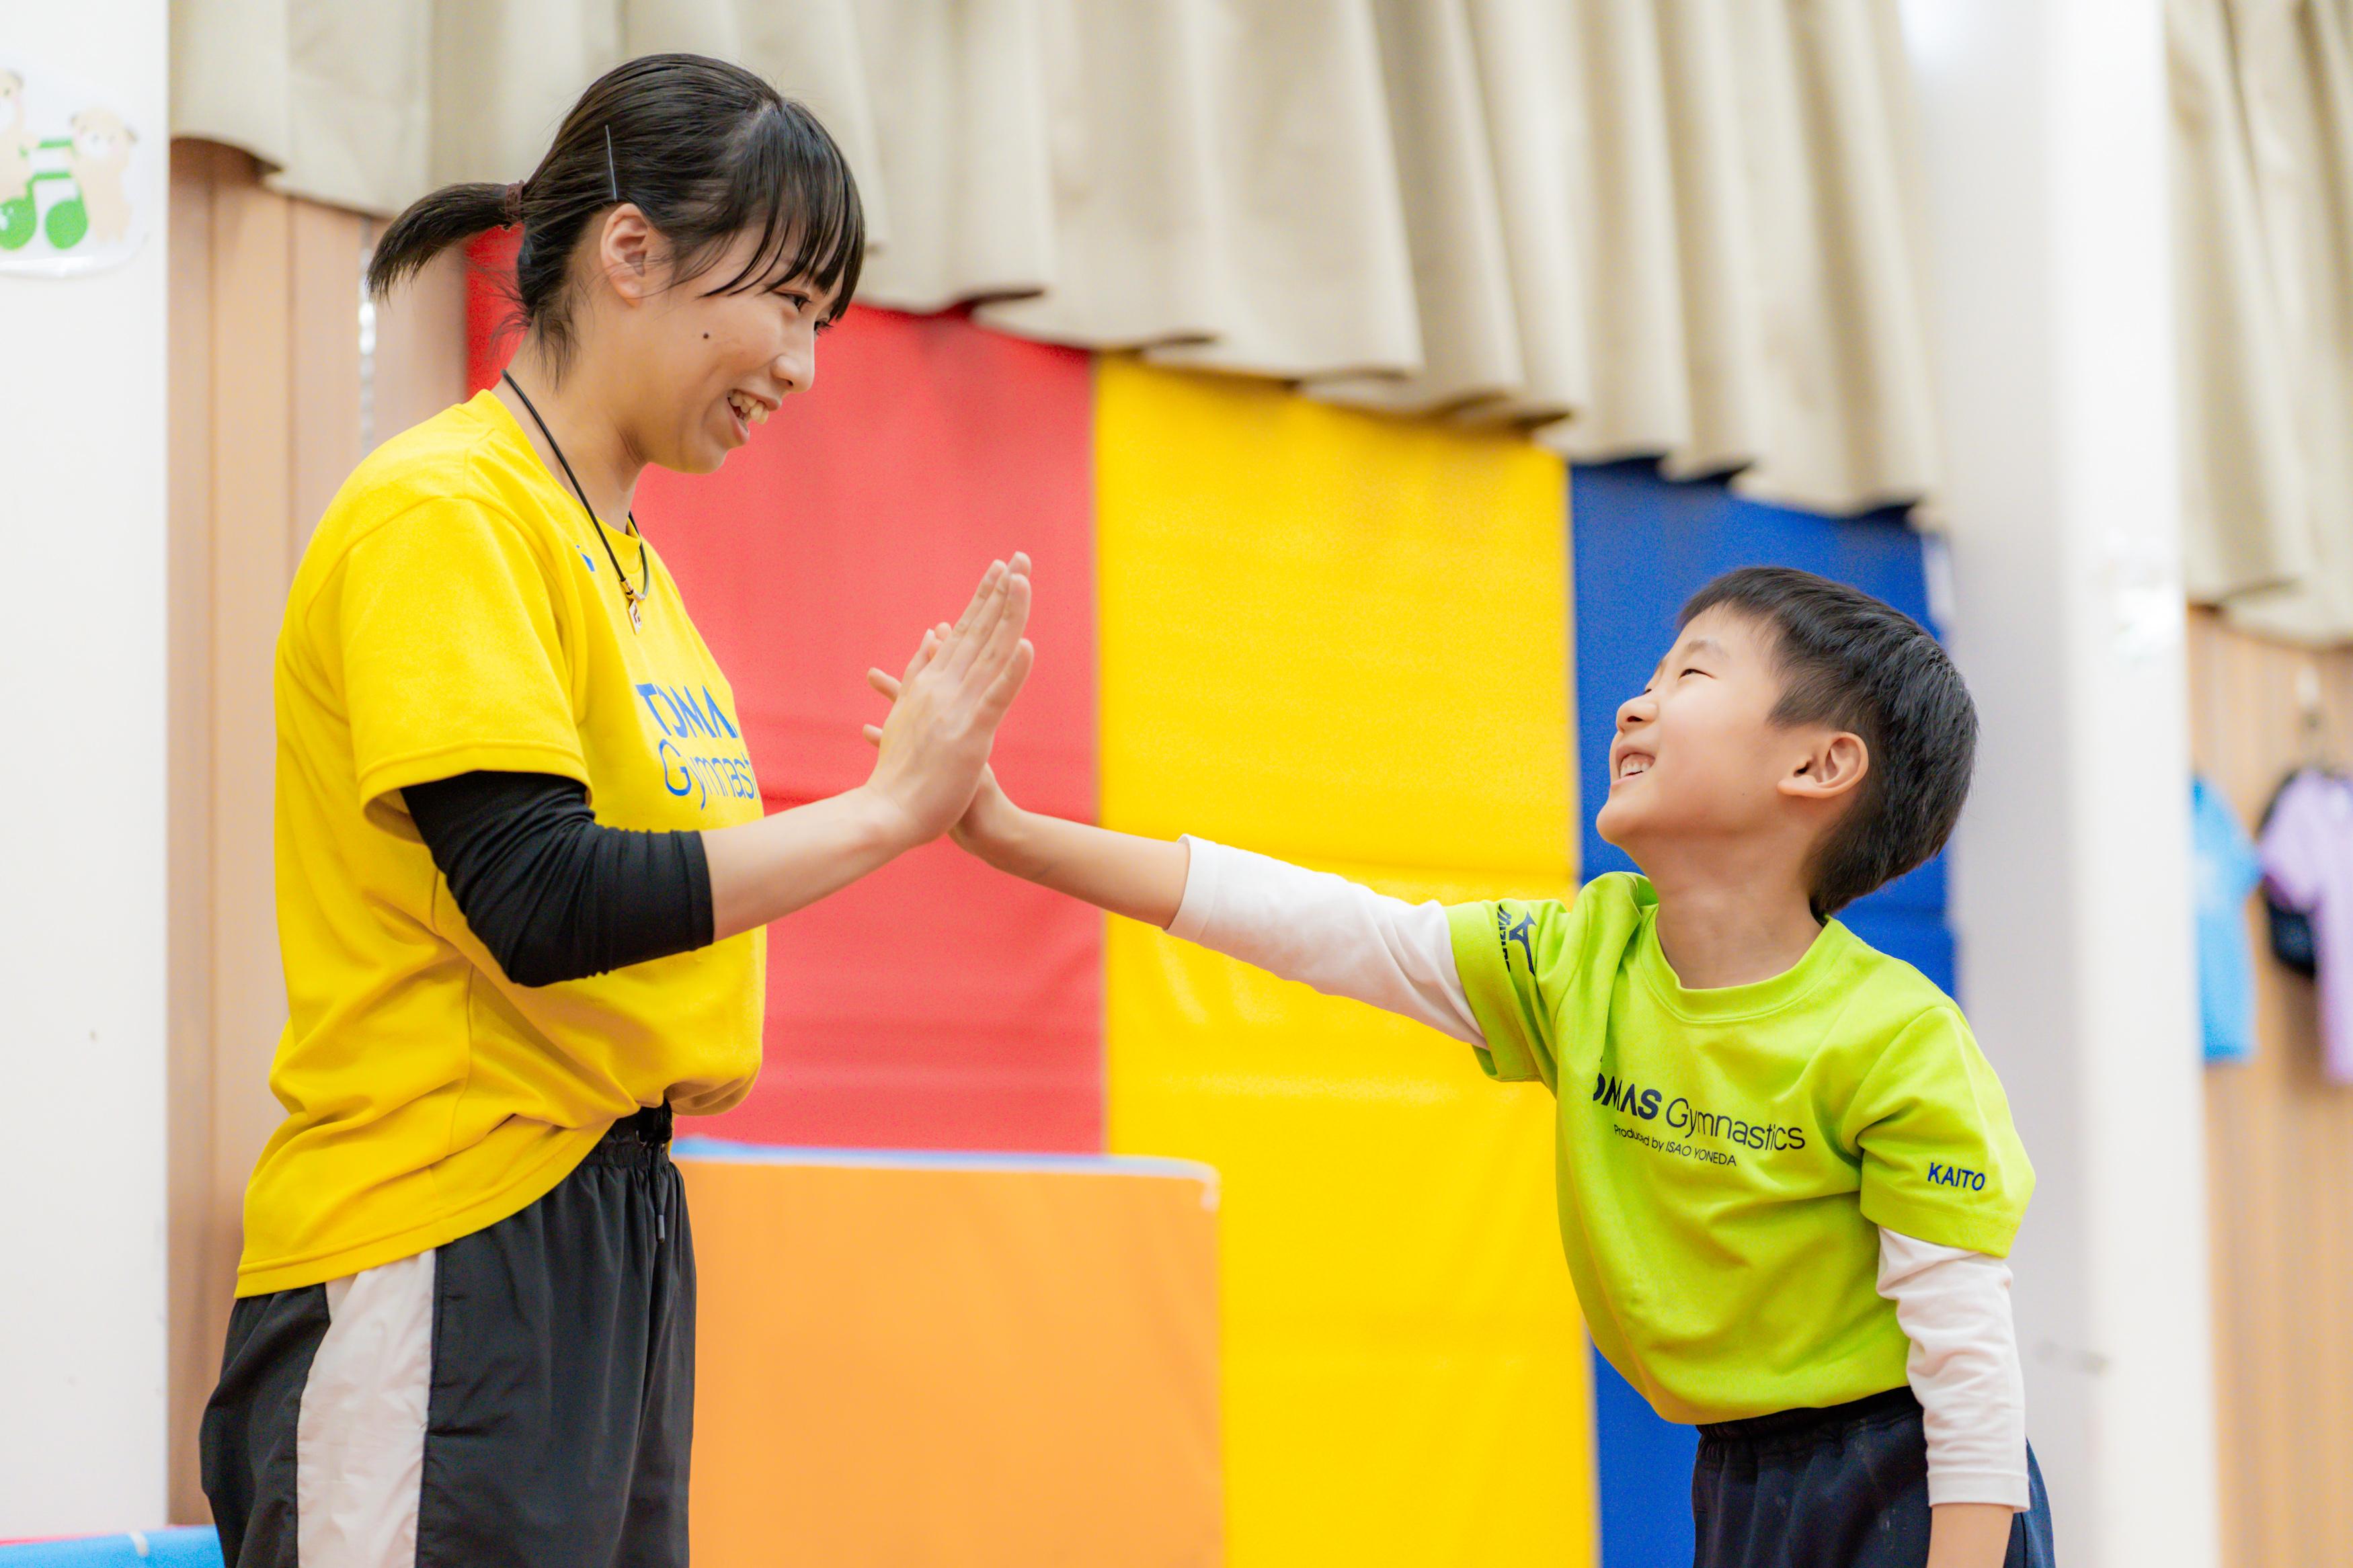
955,1360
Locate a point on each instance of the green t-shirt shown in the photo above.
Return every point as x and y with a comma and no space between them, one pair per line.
1726,1156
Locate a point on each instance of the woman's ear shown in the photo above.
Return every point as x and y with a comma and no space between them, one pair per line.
1830,769
626,246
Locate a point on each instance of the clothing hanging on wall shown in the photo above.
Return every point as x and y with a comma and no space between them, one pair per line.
2288,929
2227,871
2306,850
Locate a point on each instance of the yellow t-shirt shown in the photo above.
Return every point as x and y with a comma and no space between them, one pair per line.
454,612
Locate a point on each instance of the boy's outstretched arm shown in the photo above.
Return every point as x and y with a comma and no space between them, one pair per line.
1142,879
1310,926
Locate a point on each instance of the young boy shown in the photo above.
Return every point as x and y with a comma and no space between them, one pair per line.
1788,1178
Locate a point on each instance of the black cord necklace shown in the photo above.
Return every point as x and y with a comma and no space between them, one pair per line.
632,595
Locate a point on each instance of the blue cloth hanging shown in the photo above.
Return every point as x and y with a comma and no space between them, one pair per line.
2226,871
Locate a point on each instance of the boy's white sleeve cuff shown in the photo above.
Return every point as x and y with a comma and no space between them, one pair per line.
1198,906
2004,1488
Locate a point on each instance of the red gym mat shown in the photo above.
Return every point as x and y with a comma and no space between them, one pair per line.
938,1005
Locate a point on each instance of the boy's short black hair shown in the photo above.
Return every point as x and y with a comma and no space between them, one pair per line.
1848,660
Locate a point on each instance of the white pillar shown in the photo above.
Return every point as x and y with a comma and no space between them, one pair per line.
2045,139
82,836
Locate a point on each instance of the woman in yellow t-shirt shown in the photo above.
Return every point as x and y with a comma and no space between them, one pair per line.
522,868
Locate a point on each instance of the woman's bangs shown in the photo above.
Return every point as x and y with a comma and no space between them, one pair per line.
793,182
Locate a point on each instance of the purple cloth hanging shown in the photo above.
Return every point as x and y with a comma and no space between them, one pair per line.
2308,857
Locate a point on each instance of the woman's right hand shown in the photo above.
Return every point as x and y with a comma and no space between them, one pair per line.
988,826
1142,879
933,748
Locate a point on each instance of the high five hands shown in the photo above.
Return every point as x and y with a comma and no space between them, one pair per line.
934,754
934,747
1142,879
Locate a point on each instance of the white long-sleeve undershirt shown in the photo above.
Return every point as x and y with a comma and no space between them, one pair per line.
1347,941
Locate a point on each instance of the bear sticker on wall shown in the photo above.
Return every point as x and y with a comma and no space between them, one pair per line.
77,185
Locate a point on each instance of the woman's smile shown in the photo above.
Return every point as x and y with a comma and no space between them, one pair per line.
747,410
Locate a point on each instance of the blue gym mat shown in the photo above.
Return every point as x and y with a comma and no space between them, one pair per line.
183,1548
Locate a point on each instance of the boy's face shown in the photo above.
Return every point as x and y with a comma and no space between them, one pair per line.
1699,758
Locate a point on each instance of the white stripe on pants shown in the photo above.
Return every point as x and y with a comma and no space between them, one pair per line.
359,1443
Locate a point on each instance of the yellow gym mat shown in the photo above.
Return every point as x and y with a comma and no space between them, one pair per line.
1343,640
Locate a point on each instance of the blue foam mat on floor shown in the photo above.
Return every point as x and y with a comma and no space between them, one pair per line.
180,1548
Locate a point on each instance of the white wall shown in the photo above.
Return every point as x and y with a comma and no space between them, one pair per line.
82,840
2045,137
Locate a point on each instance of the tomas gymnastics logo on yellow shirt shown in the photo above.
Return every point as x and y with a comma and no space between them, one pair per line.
700,751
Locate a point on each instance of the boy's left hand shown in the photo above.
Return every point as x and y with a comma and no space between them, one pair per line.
1968,1535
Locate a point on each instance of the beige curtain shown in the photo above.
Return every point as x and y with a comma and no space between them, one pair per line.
2263,98
1670,227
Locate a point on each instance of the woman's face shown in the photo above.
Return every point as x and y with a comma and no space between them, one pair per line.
702,368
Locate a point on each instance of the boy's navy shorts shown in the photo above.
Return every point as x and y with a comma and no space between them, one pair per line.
1845,1487
522,1397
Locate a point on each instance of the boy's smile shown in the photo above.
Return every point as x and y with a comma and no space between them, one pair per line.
1697,750
1709,778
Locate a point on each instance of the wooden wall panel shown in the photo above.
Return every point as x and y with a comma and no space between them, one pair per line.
266,398
420,366
2280,1155
324,249
194,1346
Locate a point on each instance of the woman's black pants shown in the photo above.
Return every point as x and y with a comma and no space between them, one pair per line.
522,1397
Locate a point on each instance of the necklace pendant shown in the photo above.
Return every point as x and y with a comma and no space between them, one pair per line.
637,614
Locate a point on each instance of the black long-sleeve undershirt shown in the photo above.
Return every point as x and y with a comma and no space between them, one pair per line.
554,894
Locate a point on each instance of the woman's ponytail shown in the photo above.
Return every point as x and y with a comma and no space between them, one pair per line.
451,216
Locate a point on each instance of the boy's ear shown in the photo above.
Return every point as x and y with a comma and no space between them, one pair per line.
1830,769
